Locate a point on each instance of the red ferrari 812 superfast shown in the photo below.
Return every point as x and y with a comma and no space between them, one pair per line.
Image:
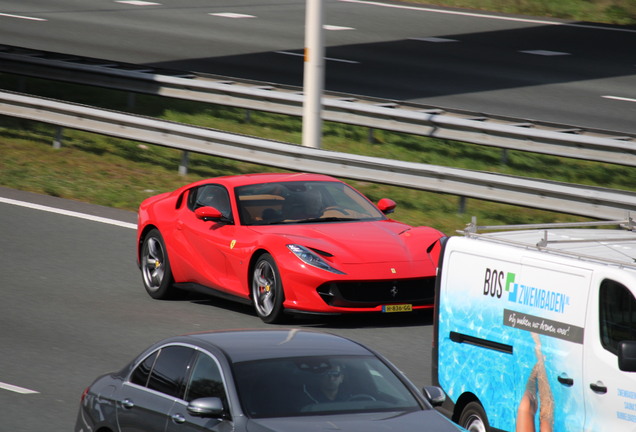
295,243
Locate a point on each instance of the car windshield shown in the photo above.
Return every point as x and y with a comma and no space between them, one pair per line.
302,386
303,202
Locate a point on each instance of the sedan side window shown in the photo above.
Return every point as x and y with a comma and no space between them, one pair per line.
165,370
142,372
205,380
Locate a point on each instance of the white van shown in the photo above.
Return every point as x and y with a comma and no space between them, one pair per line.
535,328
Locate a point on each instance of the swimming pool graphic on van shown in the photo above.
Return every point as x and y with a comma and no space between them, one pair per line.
536,337
494,376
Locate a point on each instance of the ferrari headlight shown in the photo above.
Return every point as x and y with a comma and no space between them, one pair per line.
311,258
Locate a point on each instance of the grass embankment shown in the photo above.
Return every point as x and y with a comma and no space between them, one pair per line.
622,12
119,173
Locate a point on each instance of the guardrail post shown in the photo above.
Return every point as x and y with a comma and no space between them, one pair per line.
183,166
132,98
371,136
461,208
57,141
504,156
248,116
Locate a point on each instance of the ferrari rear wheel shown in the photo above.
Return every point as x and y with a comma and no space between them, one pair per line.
267,290
155,267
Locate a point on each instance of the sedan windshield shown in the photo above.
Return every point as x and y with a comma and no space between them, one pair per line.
290,387
303,202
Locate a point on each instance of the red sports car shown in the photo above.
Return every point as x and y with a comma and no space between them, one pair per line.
300,243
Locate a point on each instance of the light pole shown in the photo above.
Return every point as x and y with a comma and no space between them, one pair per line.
314,74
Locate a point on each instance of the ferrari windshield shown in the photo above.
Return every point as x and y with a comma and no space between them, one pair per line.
299,386
303,202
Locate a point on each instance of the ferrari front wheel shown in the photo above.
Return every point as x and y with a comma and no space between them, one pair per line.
155,267
267,290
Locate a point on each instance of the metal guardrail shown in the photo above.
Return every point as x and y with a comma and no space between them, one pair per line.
591,202
514,134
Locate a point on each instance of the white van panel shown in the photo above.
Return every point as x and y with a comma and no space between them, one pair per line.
507,311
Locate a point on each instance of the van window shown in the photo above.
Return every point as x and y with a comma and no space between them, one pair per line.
617,315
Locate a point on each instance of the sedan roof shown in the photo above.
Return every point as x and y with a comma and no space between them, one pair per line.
247,345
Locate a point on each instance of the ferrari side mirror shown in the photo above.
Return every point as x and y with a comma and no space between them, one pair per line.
386,205
208,214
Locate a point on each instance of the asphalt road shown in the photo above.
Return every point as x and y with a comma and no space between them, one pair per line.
579,74
72,307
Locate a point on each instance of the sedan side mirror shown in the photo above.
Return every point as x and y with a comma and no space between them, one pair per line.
627,356
434,395
206,407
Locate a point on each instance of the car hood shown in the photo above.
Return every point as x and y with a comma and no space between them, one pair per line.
429,420
353,242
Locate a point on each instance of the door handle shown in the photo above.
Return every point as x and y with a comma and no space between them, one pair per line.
565,380
179,224
598,387
178,418
127,403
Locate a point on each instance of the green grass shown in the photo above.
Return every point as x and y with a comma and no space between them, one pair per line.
120,173
620,12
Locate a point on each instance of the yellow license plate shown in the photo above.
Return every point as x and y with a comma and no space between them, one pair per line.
397,308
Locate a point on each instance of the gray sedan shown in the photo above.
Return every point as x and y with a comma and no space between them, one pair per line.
259,381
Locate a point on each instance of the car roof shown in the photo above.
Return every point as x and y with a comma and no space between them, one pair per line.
248,179
262,344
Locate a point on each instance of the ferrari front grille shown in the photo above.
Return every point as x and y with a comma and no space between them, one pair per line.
362,294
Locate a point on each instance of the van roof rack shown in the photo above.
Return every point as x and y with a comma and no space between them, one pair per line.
472,227
560,246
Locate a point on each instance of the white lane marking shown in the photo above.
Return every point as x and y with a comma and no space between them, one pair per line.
326,58
22,17
336,28
16,389
138,3
496,17
544,52
232,15
68,213
619,98
434,39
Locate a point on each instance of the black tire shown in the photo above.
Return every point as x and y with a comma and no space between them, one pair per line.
155,267
473,418
267,290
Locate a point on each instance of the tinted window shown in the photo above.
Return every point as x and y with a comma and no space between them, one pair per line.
617,315
205,380
320,385
301,202
168,374
142,372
